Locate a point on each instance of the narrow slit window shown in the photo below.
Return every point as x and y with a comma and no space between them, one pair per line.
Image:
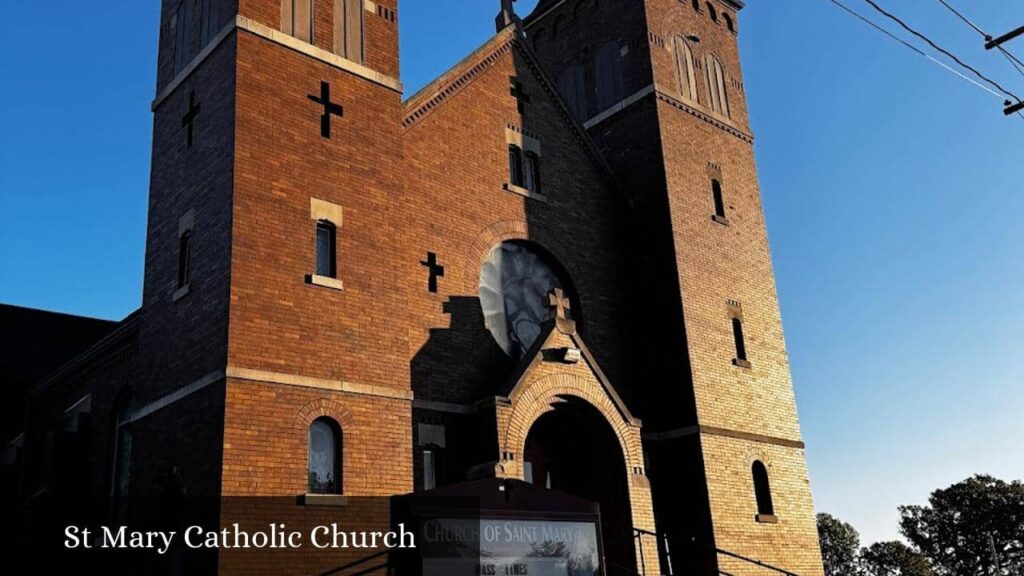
185,259
429,470
326,249
531,172
762,490
297,19
182,34
515,165
741,344
348,29
719,199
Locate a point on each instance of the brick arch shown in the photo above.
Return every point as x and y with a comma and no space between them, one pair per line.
540,397
321,407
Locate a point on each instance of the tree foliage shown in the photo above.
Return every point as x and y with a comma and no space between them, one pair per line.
893,559
964,527
839,545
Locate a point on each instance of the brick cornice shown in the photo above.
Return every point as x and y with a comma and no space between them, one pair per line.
238,373
668,99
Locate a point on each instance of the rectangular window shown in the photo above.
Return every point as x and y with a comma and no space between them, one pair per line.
182,35
348,29
515,165
207,21
184,259
297,19
741,344
719,198
326,255
531,172
528,471
429,470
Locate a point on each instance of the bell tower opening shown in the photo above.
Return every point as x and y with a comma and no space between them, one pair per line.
573,449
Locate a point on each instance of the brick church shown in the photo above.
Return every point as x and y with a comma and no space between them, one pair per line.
550,265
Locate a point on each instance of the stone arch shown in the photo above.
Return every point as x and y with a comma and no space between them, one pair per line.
540,396
321,407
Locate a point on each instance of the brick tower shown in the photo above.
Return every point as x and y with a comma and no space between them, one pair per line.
721,433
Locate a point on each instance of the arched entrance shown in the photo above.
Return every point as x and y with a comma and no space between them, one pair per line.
573,449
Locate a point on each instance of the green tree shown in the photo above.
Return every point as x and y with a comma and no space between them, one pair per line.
893,559
839,545
966,526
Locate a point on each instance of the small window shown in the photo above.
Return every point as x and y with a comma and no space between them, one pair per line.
738,338
297,19
719,199
712,12
762,490
531,172
729,22
608,64
325,451
185,259
429,470
515,165
326,249
182,35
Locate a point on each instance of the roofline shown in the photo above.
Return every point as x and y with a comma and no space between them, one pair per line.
130,323
530,18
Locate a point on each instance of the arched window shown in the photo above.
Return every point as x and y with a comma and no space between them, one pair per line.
571,86
729,22
326,249
762,490
515,165
297,19
348,29
325,455
718,96
684,68
718,197
609,75
184,258
696,5
121,452
712,12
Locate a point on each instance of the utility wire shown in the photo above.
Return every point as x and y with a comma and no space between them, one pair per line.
916,50
943,50
1013,60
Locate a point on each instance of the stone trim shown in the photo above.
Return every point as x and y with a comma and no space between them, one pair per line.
524,192
282,39
239,373
519,137
325,282
616,108
323,210
335,500
713,431
177,395
187,222
713,120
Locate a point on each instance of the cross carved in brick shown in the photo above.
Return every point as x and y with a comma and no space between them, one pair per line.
560,302
188,121
330,108
434,269
522,98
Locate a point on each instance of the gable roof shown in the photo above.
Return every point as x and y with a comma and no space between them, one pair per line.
551,339
435,94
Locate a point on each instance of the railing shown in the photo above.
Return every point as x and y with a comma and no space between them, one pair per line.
664,560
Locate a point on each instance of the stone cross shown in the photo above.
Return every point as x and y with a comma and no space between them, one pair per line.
188,121
330,108
434,269
517,92
507,15
560,302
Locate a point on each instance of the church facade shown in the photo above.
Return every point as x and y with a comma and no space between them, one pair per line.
549,265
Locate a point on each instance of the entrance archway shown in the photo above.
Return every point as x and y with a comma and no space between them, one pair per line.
573,449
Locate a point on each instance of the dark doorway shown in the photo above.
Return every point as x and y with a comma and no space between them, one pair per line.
573,449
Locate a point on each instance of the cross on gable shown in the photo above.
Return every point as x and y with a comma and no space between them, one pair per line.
435,270
330,108
188,121
560,302
522,98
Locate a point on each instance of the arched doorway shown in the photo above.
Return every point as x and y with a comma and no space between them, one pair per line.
573,449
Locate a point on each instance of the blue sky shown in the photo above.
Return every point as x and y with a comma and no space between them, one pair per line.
892,191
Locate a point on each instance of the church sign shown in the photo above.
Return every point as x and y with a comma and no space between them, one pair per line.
507,547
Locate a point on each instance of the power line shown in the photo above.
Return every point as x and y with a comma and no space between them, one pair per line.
1013,60
941,49
915,49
